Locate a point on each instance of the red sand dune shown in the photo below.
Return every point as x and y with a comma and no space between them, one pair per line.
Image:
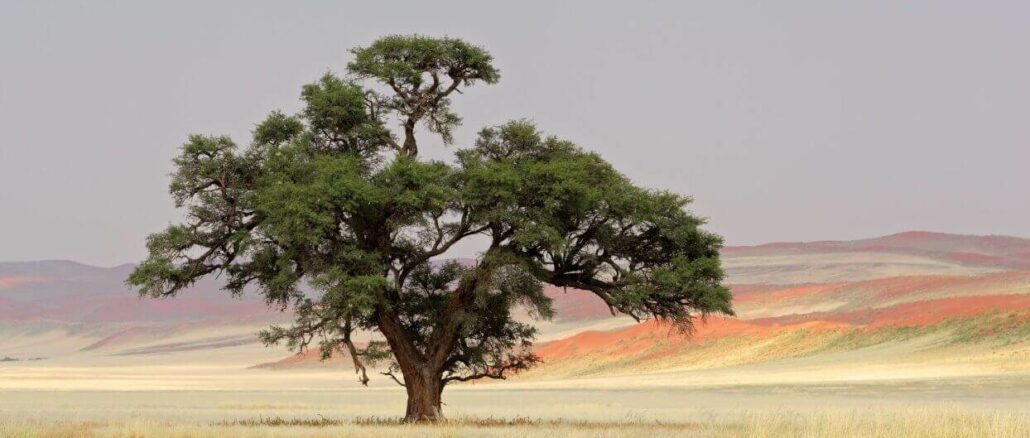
743,294
872,293
13,281
641,337
866,309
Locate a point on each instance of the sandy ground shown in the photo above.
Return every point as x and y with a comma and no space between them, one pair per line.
858,382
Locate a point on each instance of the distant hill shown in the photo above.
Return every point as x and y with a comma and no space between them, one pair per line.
65,309
987,251
66,291
69,292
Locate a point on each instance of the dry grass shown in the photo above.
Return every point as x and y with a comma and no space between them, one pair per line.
850,423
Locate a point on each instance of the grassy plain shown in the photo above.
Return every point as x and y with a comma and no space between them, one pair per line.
953,408
909,423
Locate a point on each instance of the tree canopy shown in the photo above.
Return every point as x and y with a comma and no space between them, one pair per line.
331,213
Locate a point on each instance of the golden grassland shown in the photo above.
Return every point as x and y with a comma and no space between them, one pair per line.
851,423
968,407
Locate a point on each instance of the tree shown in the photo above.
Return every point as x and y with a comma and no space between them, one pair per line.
332,214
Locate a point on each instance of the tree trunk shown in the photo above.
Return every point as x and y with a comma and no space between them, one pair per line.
423,382
424,390
409,148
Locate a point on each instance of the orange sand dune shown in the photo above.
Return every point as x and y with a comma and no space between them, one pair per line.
658,343
743,294
645,336
9,282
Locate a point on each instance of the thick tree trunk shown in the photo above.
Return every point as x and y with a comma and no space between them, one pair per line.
422,380
424,390
423,373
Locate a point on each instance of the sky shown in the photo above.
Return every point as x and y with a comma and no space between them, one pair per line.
785,121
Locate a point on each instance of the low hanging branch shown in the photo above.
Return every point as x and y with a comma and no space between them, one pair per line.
359,368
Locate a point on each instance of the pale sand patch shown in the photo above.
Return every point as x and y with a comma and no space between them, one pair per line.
751,312
836,267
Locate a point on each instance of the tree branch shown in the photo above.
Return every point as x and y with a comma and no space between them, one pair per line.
359,368
394,377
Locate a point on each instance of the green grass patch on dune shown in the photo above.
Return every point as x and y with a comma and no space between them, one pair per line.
998,328
992,329
853,339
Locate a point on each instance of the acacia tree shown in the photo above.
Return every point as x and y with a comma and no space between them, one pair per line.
333,214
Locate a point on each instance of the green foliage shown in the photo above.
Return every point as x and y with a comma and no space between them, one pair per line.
336,112
577,222
329,213
404,60
420,74
277,129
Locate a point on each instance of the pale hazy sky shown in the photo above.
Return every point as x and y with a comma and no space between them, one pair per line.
785,120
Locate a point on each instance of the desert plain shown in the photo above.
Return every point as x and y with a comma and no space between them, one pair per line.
913,334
